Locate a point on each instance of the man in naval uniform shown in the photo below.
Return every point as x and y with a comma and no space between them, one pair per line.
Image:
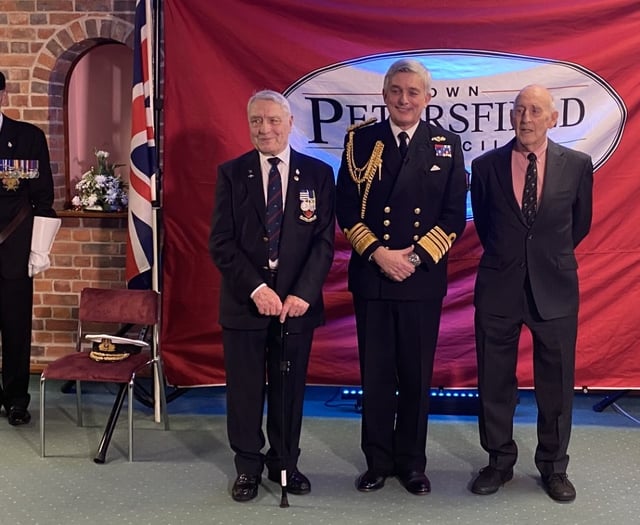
26,199
401,202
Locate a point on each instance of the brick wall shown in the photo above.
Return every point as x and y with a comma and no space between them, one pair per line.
39,42
89,251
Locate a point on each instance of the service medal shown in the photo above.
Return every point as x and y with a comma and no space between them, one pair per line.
308,205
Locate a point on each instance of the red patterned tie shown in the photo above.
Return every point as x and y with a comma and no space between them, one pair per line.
274,208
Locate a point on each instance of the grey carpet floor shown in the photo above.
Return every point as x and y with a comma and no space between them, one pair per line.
184,475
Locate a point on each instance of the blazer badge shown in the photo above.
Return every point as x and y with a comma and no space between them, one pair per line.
308,206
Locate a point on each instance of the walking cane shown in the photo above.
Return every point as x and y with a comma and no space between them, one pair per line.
284,371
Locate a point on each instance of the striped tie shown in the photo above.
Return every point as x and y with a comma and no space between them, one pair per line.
274,208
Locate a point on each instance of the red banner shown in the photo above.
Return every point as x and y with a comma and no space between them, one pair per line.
328,59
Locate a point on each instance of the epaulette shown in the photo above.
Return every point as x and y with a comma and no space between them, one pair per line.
359,125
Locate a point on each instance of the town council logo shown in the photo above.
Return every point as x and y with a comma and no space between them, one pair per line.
472,94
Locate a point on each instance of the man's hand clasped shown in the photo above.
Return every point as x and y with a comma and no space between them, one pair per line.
269,303
394,264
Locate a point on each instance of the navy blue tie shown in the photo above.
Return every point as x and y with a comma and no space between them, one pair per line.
274,208
530,192
403,143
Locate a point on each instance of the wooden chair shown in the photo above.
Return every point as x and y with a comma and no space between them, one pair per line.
110,307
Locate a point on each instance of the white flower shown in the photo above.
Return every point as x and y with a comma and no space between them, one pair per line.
101,187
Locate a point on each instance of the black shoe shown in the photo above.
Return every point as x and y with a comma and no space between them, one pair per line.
245,488
490,480
415,482
559,487
18,416
370,481
297,482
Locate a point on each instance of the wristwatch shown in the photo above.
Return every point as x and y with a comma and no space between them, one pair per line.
414,259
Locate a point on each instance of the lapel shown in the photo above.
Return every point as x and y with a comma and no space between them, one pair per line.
420,157
301,187
252,174
292,198
391,159
552,173
505,178
8,139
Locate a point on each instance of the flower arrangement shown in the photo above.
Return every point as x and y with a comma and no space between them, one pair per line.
100,189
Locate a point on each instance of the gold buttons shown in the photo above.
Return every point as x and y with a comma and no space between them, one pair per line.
387,209
416,224
386,236
417,211
386,222
416,237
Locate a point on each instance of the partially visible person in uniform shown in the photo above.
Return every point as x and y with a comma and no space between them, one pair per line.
531,203
28,225
401,202
272,239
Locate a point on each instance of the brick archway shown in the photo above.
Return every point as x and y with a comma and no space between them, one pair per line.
50,76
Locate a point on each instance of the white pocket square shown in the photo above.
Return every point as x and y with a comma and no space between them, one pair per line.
435,167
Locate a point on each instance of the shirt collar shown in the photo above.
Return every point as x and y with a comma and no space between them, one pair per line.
539,152
396,129
284,156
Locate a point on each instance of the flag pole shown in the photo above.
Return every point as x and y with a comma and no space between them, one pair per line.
156,108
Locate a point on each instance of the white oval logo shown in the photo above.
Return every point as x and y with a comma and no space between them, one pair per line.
472,94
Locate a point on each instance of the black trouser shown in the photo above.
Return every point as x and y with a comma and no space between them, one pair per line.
16,304
250,357
554,342
397,342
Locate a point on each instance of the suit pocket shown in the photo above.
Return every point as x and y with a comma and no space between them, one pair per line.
567,262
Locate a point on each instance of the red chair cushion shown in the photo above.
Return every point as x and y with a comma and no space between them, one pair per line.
80,367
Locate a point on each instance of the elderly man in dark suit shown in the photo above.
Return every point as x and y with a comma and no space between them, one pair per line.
27,228
273,262
532,206
401,202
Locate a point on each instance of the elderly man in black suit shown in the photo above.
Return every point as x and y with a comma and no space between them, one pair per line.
27,227
401,202
532,203
272,239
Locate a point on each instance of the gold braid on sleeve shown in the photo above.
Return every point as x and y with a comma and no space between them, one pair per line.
437,243
366,173
360,237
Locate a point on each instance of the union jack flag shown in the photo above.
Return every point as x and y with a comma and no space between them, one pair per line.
140,240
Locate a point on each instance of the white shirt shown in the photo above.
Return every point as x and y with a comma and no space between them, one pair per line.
396,130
